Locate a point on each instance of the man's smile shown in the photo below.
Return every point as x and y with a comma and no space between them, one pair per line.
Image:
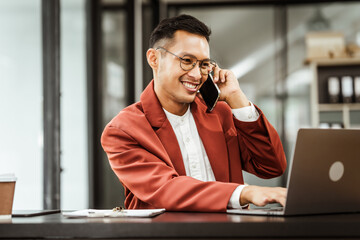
190,86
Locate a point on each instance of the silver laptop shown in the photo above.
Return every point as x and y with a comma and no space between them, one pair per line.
324,176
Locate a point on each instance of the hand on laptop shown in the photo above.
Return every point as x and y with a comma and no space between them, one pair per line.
260,196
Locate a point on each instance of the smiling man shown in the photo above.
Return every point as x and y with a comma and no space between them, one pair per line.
169,152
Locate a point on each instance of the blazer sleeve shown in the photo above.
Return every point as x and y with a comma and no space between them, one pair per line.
261,150
143,166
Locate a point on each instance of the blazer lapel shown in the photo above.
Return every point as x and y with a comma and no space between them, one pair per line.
210,131
212,136
169,140
158,120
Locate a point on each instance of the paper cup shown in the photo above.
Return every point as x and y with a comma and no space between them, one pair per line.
7,190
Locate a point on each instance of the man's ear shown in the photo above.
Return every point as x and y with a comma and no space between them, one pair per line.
152,58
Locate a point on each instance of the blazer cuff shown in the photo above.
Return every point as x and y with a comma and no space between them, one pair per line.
234,201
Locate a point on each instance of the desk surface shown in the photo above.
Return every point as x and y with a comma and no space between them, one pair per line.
184,225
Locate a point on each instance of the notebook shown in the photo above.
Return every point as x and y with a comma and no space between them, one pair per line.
324,175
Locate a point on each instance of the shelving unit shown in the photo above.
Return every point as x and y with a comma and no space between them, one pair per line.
322,70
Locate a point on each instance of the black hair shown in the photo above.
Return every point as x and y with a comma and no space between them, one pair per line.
168,26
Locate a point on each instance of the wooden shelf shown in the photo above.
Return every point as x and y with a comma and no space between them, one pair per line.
334,107
333,61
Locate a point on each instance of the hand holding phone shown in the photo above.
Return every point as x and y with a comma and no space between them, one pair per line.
210,92
231,92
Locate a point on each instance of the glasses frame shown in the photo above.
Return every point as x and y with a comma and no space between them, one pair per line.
194,64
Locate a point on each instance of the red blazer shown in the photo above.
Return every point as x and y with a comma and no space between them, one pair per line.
144,153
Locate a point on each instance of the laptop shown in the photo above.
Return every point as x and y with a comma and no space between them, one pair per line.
324,175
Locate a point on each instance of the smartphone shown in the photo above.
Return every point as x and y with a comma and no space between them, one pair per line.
210,92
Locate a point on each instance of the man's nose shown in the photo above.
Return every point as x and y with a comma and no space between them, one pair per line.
195,72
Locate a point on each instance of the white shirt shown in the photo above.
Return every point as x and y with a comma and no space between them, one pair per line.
196,161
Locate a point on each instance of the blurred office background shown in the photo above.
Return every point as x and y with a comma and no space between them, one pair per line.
95,65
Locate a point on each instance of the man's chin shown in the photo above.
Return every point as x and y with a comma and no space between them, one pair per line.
190,99
186,100
186,97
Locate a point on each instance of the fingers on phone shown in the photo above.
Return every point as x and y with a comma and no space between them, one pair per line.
216,74
222,76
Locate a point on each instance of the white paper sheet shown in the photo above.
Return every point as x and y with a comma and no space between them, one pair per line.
91,213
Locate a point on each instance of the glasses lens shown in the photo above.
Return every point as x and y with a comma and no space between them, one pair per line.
188,62
207,66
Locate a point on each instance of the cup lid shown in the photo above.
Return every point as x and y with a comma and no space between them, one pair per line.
8,177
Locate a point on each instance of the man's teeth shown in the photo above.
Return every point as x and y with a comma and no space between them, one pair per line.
189,85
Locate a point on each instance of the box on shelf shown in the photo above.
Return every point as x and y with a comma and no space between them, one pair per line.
323,45
353,50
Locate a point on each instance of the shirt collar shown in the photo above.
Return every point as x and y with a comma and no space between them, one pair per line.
176,120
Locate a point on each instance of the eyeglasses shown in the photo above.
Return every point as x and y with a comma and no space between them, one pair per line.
188,62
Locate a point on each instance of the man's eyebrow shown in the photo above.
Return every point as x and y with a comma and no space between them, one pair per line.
182,54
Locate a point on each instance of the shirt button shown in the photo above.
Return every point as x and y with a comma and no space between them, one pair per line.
187,139
250,116
193,166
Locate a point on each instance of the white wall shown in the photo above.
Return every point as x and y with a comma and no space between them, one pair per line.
21,99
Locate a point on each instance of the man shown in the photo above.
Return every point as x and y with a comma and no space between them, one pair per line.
169,152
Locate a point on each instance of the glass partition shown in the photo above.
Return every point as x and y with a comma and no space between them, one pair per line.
74,159
114,94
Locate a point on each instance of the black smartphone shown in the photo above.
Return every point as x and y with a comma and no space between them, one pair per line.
210,92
